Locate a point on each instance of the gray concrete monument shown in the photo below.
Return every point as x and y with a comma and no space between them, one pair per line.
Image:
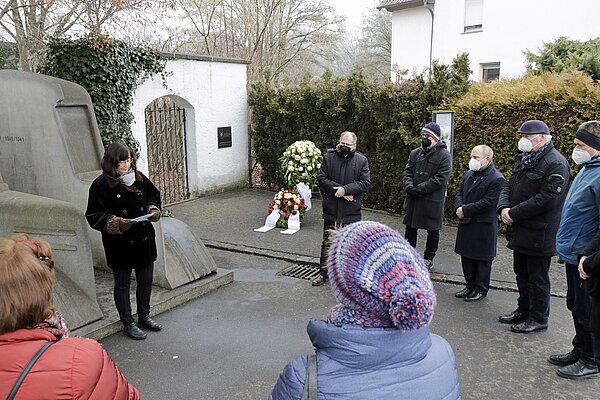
63,225
50,147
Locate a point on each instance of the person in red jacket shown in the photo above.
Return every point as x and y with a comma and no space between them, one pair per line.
70,368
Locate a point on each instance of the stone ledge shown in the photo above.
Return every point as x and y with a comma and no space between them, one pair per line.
162,300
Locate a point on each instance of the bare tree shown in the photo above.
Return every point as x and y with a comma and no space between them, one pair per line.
271,34
30,22
374,47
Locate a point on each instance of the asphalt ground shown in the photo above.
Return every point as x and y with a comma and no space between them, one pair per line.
233,342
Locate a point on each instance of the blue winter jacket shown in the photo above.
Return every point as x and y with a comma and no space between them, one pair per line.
375,363
580,218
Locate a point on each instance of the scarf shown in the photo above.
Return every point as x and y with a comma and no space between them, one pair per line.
531,158
55,324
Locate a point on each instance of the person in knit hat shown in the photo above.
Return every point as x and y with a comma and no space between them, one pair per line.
376,343
425,181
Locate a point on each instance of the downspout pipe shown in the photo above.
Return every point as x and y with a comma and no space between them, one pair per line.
429,6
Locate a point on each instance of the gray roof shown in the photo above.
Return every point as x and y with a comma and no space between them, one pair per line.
392,5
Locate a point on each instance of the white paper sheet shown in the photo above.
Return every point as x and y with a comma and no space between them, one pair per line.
142,218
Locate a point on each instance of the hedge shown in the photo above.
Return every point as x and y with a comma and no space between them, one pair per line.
386,118
492,113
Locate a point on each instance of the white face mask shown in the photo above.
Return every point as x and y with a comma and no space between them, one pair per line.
474,165
580,156
128,178
525,145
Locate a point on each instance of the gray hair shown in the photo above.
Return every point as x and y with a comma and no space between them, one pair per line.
486,150
593,127
348,133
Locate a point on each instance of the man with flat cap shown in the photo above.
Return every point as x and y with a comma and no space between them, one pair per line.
530,204
579,224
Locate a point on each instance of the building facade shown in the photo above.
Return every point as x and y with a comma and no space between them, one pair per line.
495,33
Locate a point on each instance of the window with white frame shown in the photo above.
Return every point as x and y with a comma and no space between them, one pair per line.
490,72
473,15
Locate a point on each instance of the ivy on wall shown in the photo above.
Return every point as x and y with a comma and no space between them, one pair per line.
110,70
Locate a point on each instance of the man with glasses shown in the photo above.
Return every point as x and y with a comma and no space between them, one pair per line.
344,175
425,180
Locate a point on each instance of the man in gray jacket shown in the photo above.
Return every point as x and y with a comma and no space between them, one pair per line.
425,180
344,175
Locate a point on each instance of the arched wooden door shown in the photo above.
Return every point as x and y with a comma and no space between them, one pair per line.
167,153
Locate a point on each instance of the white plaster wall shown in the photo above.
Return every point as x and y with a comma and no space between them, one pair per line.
214,95
510,27
410,39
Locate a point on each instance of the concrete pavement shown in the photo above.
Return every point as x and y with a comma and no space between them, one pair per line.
233,342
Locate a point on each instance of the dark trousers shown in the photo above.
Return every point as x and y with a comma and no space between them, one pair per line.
579,303
477,274
143,292
431,246
533,282
328,227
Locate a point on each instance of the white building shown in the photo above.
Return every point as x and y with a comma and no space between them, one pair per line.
202,111
495,33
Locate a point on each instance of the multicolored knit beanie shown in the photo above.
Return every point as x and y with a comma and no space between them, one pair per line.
379,279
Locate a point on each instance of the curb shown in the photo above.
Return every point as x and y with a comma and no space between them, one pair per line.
161,302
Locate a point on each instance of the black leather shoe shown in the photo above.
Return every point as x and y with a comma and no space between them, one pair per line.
579,370
563,359
474,296
528,327
134,331
463,293
513,318
150,324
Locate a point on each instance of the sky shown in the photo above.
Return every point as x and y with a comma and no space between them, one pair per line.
353,10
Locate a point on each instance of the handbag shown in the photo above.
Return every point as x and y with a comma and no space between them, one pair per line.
36,356
310,383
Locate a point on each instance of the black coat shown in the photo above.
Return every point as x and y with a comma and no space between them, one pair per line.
478,195
535,196
353,174
425,180
136,247
591,266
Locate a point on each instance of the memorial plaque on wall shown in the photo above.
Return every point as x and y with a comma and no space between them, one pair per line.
224,136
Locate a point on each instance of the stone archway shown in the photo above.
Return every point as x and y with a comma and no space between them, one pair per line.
167,148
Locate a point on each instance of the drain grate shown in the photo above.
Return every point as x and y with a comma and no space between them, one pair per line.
300,271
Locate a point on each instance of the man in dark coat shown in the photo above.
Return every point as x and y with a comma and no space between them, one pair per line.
425,180
530,204
343,177
477,236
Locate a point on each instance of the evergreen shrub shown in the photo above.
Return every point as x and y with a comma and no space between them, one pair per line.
386,119
491,114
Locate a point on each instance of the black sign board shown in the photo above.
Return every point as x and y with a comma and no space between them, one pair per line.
224,136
